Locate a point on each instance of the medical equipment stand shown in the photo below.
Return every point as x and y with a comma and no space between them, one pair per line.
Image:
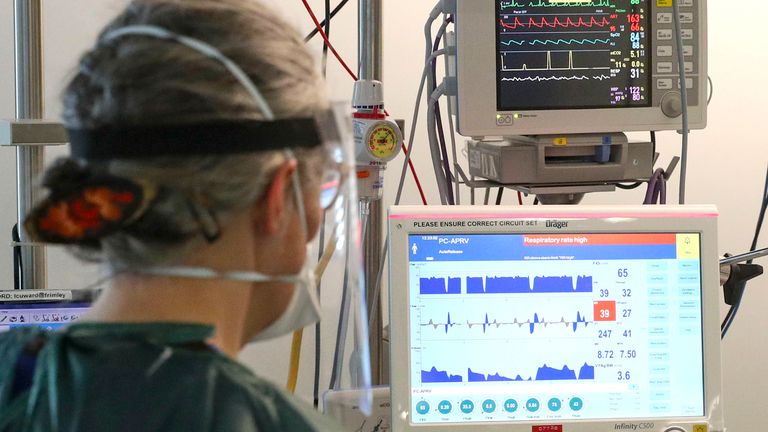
370,68
28,133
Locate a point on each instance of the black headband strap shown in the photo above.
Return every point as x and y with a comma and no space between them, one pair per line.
209,139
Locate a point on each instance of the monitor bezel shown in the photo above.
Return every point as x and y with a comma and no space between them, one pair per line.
477,88
407,220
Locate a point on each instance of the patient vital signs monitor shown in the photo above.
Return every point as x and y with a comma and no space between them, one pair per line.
561,319
530,67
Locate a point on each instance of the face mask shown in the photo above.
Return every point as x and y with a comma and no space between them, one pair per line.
304,307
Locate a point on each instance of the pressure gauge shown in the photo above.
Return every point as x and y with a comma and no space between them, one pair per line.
378,140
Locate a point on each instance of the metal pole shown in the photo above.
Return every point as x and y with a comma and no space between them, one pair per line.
370,68
28,47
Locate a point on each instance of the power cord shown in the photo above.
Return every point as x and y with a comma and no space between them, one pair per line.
738,292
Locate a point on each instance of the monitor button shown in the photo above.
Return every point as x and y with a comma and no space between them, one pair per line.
664,34
664,18
664,51
664,84
664,67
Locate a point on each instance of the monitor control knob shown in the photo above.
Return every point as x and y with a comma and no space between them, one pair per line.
675,429
672,104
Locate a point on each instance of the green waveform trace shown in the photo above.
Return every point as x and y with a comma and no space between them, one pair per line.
548,3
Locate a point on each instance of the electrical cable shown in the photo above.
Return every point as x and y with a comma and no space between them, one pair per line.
295,360
734,310
519,197
433,98
318,334
629,186
439,118
327,41
499,196
336,10
434,148
684,96
452,135
17,262
324,62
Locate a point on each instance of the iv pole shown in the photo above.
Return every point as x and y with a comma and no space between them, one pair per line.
370,68
28,50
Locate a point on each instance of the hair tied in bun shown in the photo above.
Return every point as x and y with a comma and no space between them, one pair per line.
82,213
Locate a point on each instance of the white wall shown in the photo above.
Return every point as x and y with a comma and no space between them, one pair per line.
727,165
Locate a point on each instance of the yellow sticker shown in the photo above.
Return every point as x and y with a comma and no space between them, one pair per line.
665,3
687,246
561,141
701,428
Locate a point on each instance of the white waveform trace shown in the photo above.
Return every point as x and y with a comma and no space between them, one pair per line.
556,78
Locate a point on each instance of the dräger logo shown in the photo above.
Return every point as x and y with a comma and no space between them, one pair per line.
557,224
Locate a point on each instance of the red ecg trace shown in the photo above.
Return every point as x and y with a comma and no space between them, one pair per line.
556,23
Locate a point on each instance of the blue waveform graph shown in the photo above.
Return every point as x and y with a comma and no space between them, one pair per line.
436,376
436,286
544,373
522,285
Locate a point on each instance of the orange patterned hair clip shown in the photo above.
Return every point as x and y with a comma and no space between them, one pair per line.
83,214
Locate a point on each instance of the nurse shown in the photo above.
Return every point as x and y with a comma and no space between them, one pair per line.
200,168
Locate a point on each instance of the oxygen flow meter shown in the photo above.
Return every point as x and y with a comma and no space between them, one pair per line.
377,139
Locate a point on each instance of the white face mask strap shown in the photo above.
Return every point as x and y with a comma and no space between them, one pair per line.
204,48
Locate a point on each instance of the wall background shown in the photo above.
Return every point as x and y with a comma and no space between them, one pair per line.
727,161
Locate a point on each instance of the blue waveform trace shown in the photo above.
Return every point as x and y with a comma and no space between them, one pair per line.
537,321
435,286
543,373
436,376
522,285
557,42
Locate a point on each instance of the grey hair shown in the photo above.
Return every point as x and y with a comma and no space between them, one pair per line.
138,80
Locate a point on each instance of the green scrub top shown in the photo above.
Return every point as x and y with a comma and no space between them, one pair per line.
139,377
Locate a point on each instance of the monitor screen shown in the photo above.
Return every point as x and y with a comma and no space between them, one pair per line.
573,54
515,327
49,316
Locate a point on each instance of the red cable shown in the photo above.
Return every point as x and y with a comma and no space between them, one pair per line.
415,177
354,77
520,197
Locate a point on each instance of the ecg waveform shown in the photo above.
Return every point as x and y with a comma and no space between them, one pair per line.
543,3
531,324
557,42
545,22
544,373
557,78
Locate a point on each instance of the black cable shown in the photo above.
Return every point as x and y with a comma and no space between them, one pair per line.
327,23
316,383
536,201
439,125
17,264
734,310
314,31
318,330
499,196
629,186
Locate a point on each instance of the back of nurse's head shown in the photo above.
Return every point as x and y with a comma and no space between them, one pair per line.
144,81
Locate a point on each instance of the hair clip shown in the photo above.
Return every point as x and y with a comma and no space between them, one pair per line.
84,213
